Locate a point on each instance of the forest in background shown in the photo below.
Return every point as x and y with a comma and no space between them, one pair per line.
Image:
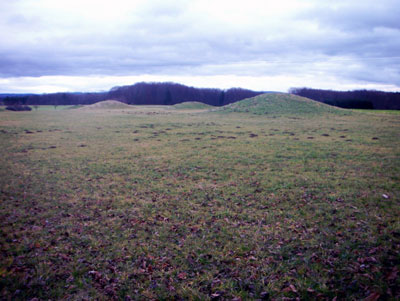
172,93
357,99
137,94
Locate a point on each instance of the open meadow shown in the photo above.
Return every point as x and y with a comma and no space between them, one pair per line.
270,198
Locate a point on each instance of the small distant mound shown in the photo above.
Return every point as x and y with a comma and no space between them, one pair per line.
192,105
281,104
108,104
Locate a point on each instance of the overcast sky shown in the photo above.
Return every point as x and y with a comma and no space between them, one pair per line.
93,45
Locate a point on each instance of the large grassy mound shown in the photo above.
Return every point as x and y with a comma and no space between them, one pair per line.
108,104
281,104
192,105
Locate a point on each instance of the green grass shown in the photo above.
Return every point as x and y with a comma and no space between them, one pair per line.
54,108
161,203
391,112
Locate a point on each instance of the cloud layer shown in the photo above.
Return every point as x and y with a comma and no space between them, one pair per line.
324,44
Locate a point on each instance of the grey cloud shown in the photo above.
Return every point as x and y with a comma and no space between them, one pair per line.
363,28
356,15
166,37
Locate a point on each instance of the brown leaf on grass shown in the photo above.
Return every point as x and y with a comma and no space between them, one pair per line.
290,288
96,275
392,275
217,295
64,257
182,275
36,228
368,276
373,297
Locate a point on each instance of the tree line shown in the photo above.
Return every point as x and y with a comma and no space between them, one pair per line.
137,94
357,99
172,93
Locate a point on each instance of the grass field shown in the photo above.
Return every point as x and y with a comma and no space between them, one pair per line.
254,201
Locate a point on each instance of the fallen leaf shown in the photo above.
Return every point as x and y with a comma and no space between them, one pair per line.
373,297
290,288
392,275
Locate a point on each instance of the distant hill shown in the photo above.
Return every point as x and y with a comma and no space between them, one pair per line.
280,104
107,104
192,105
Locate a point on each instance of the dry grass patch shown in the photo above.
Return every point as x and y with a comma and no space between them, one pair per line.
254,217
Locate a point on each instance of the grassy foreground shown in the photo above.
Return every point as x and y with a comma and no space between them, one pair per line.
158,203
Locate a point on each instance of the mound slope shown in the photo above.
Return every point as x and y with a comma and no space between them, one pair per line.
108,104
192,105
281,104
